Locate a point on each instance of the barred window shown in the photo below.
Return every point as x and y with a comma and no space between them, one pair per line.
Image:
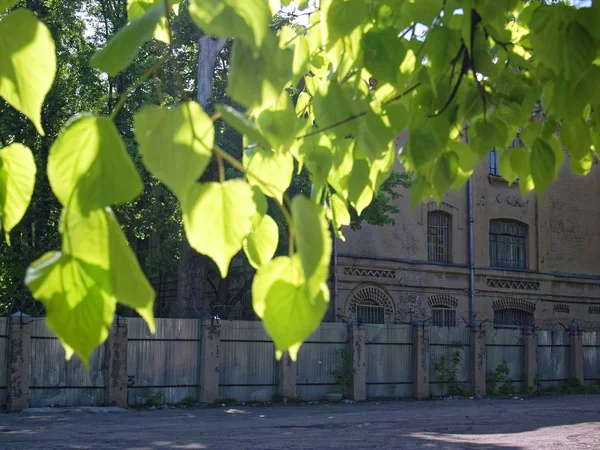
508,241
438,236
370,313
513,317
443,317
493,163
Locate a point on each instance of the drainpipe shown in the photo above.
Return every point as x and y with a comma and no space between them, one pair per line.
471,252
335,279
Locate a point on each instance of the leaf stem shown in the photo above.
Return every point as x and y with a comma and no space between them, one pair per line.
221,168
147,74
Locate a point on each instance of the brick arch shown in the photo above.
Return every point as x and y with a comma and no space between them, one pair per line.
371,294
514,303
442,301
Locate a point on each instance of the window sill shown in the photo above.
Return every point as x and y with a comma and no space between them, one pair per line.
497,179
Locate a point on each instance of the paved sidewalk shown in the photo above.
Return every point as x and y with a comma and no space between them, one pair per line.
564,422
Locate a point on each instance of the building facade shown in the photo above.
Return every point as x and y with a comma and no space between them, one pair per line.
536,260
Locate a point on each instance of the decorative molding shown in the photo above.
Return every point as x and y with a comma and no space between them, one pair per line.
594,310
442,300
522,285
364,272
513,303
514,201
370,294
560,308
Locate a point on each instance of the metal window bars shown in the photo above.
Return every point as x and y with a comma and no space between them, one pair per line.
370,314
513,317
438,236
443,317
508,244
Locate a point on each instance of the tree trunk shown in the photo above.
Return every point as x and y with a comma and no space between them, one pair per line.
192,266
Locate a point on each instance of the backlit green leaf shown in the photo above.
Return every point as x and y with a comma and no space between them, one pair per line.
136,8
80,286
27,63
125,45
246,20
384,52
260,245
5,4
89,168
543,164
242,124
339,209
360,189
216,218
281,300
445,172
175,144
270,171
17,180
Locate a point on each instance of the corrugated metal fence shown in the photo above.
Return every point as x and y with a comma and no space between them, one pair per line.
388,360
248,369
505,346
591,357
164,367
552,357
318,359
3,358
444,344
53,381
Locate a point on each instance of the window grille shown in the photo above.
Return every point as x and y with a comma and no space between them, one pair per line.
438,236
443,317
513,317
507,244
366,313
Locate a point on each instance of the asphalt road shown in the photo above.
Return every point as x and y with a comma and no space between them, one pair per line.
567,422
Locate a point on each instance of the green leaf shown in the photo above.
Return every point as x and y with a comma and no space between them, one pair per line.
246,20
89,168
17,180
579,52
313,242
124,46
27,63
80,285
280,299
342,18
243,125
445,172
339,176
423,148
548,25
543,164
216,218
374,135
334,105
136,8
5,4
360,189
441,47
175,144
339,209
317,159
383,54
270,171
260,245
575,135
505,166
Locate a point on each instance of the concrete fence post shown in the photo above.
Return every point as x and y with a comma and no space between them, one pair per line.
530,360
210,358
477,367
576,356
356,340
19,356
420,365
287,376
115,364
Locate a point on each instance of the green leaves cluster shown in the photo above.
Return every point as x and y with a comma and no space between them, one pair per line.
330,97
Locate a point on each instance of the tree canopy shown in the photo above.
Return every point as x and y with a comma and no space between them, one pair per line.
325,95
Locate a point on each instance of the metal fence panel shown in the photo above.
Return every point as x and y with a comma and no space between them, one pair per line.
3,359
164,367
388,360
591,357
444,342
505,345
248,369
318,358
553,357
53,381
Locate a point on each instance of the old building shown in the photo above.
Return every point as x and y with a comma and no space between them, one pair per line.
535,261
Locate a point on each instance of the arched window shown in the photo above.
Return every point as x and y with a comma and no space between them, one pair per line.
513,317
508,243
370,312
513,312
443,310
438,236
371,304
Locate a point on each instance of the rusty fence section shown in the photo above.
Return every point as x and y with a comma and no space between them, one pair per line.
553,354
591,357
504,358
449,358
